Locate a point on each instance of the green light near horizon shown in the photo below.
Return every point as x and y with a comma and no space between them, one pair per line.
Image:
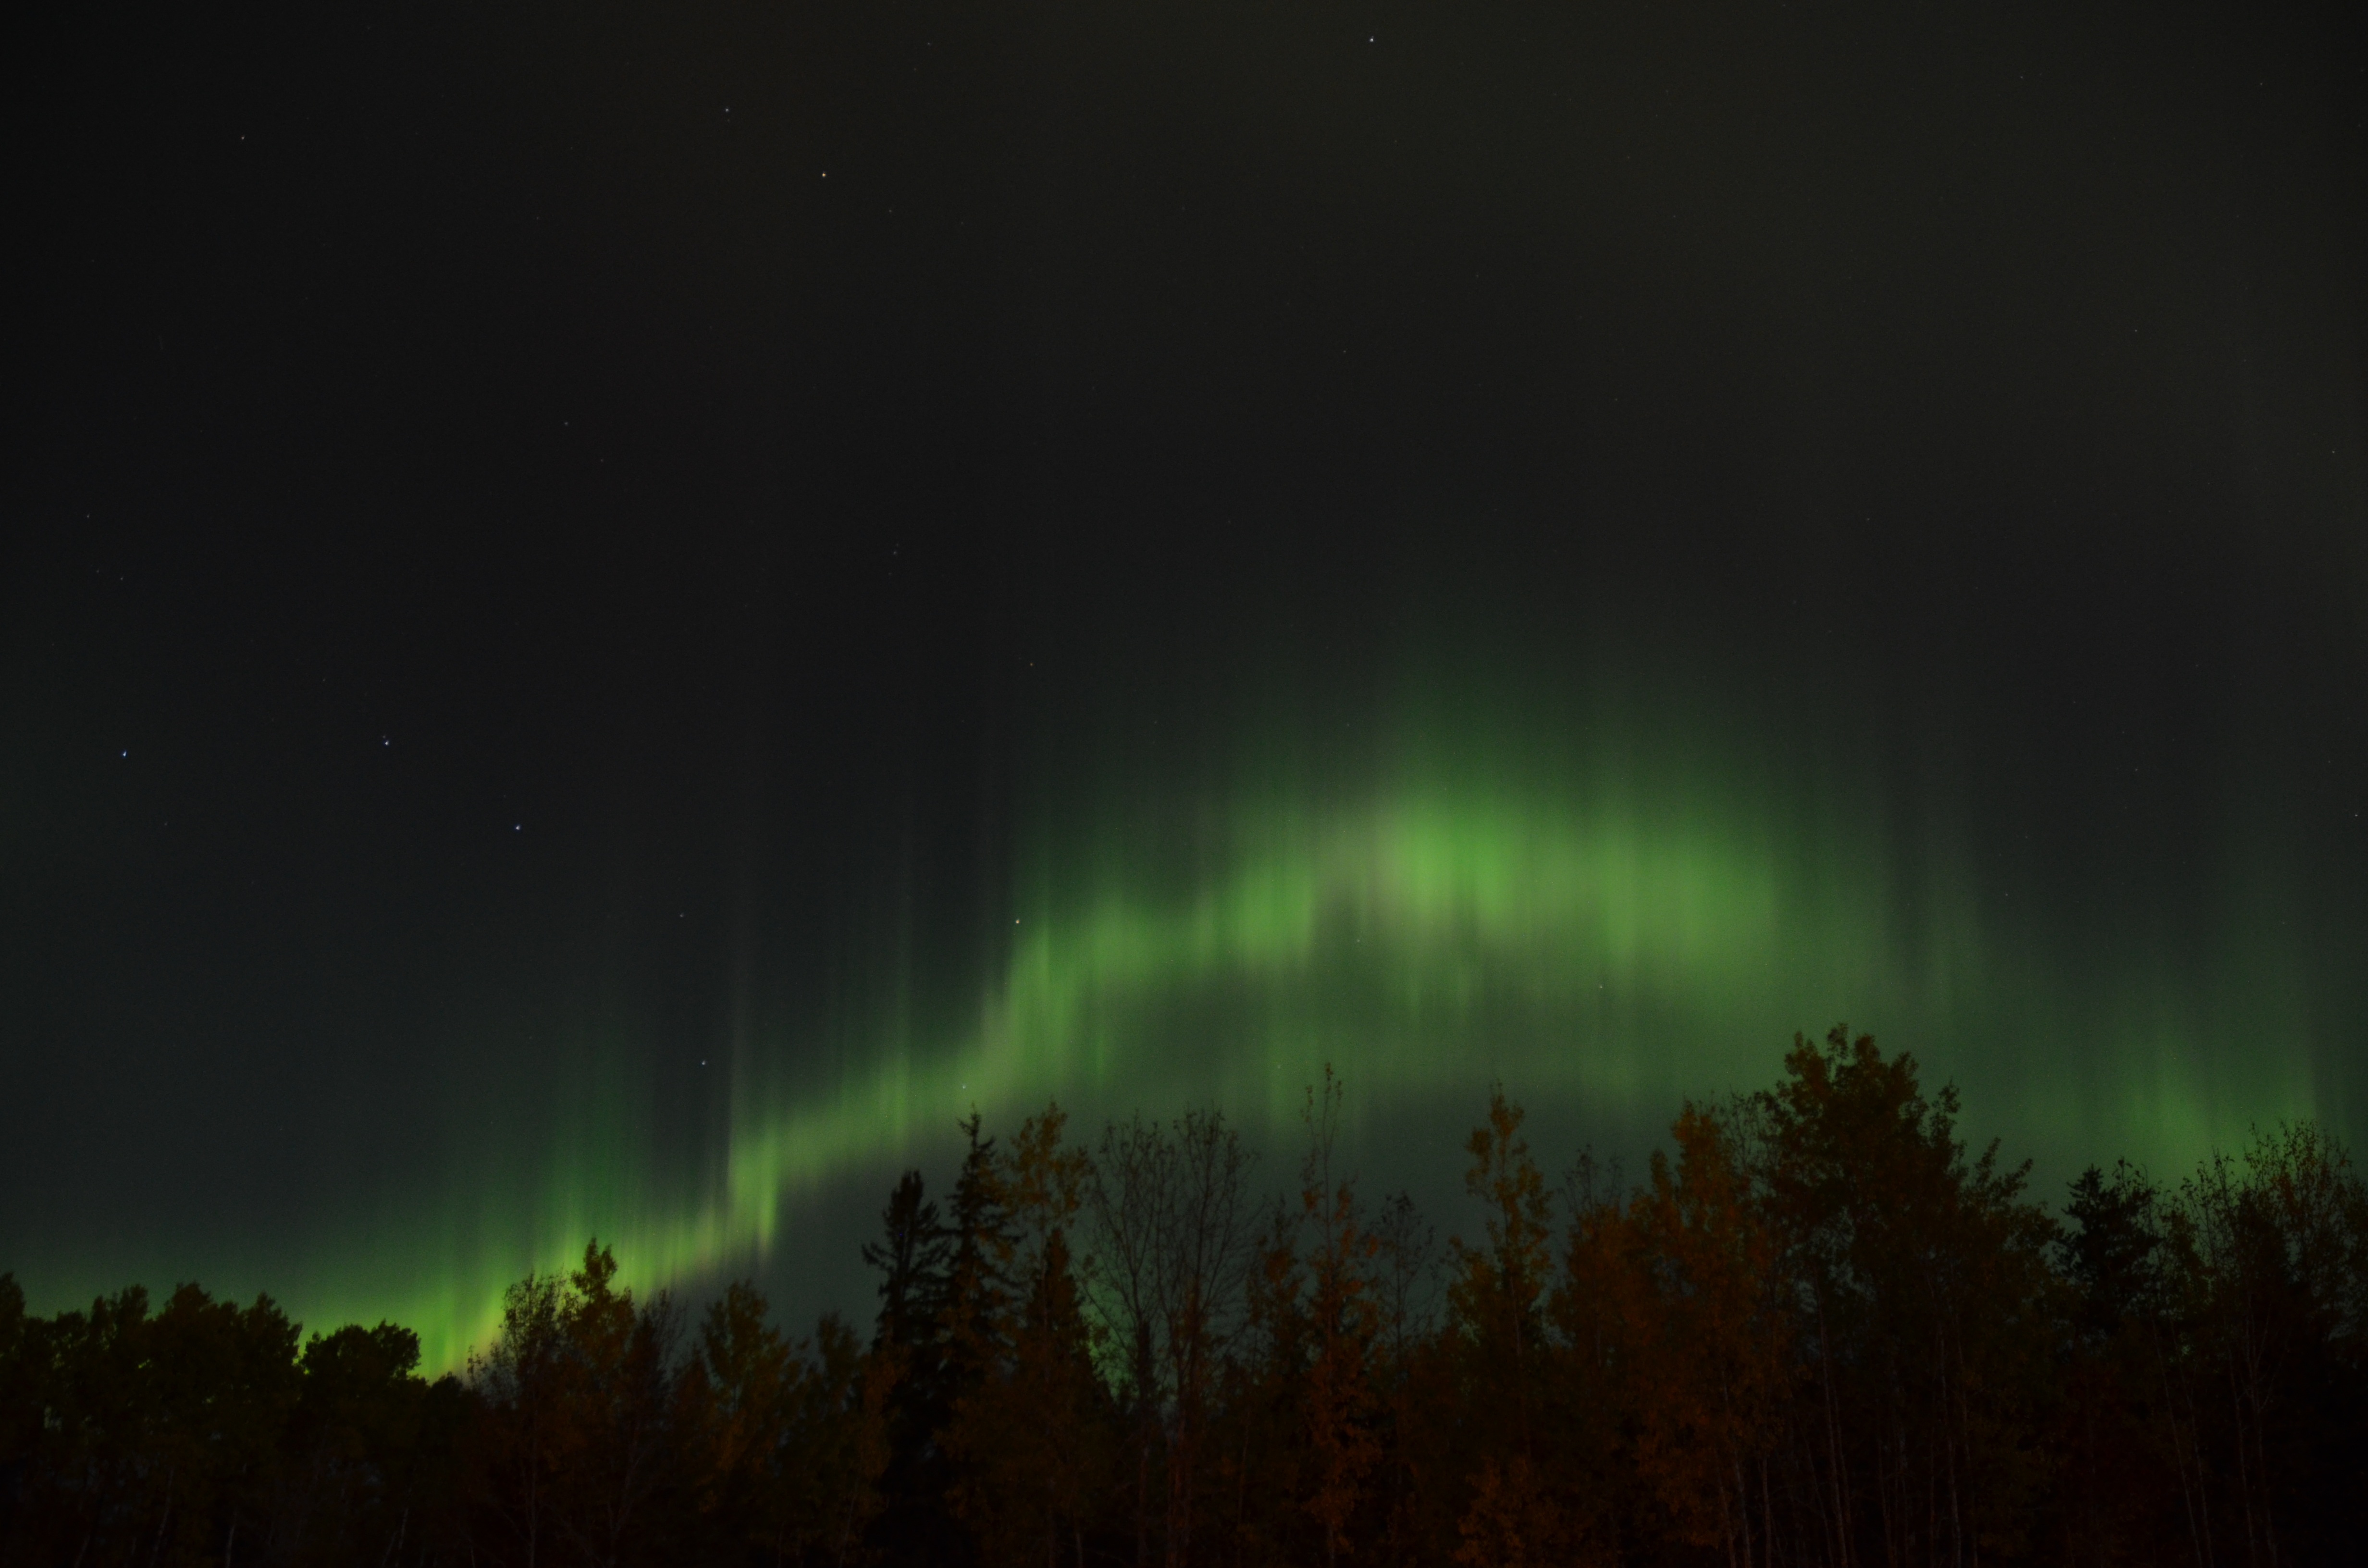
1622,948
1610,896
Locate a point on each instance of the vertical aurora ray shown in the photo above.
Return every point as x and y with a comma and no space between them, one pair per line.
1609,913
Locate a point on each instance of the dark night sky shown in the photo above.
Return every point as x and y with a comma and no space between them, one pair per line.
572,573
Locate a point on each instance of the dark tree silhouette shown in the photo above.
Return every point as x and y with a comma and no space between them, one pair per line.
1821,1333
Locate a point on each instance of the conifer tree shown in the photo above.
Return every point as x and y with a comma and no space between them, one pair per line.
913,1257
1034,1435
910,1257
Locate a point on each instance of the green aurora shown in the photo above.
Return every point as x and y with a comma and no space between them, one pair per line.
1606,912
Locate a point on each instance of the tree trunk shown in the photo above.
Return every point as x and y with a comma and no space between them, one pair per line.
155,1547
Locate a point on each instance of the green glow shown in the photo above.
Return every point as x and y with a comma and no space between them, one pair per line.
1611,923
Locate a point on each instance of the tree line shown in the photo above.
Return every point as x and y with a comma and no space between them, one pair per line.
1820,1330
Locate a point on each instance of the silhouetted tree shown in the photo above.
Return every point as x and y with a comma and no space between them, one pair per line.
1035,1434
362,1479
2269,1258
1415,1383
1821,1331
1496,1301
1171,1217
911,1259
1344,1313
1924,1306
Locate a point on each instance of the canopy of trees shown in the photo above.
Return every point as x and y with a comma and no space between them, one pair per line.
1821,1330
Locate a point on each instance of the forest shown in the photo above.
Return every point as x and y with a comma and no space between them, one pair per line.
1820,1328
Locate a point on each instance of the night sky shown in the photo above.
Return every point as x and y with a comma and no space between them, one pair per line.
610,615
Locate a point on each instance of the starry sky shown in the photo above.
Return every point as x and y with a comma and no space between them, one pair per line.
611,614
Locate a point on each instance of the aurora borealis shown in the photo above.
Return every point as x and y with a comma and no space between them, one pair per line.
578,661
1604,927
